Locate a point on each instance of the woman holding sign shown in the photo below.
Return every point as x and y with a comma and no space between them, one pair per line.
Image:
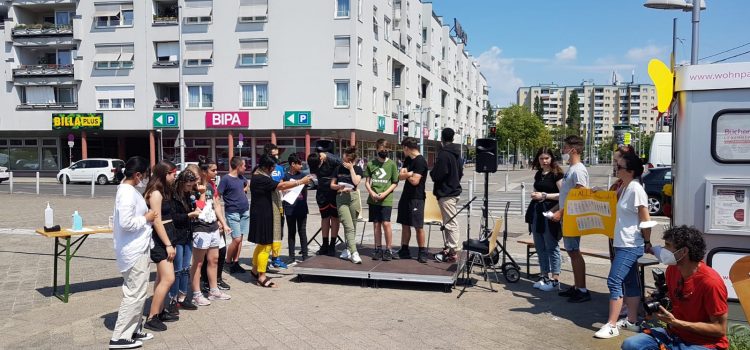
631,239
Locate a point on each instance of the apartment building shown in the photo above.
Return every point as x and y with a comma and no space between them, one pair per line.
118,77
602,106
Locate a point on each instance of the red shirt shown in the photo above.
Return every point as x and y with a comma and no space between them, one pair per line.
704,295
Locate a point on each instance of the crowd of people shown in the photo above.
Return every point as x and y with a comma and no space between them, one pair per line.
181,222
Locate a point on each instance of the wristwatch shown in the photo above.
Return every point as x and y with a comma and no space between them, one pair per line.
544,196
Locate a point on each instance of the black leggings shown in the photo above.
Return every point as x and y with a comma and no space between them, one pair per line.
297,224
222,257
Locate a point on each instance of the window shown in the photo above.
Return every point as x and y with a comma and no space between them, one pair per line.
388,65
167,53
116,97
254,95
342,94
253,11
387,29
47,95
199,53
359,10
359,94
114,56
200,96
397,77
113,15
253,52
359,51
386,102
341,50
198,11
375,27
374,100
375,61
342,8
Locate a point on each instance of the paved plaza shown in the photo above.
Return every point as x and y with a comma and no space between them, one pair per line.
318,313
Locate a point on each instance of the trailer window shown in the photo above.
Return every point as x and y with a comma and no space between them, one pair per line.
730,136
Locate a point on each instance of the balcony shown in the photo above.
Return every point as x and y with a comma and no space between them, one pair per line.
23,30
43,2
54,105
166,64
166,104
43,70
165,21
165,13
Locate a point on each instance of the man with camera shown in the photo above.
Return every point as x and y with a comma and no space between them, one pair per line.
698,317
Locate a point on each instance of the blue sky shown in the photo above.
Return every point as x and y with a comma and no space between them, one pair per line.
527,42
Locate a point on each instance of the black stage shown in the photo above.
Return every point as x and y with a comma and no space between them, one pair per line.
376,270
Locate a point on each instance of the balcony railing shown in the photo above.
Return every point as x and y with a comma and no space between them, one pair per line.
165,20
42,29
166,64
53,105
43,70
161,104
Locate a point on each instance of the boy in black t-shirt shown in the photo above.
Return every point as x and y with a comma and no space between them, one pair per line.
324,165
296,213
411,204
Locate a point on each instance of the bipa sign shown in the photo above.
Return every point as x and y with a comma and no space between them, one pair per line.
230,120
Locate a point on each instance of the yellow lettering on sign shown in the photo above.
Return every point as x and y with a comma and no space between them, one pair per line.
55,122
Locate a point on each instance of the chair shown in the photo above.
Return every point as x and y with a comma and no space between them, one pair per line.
432,215
481,251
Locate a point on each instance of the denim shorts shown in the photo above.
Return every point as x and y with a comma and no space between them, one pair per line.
239,223
572,244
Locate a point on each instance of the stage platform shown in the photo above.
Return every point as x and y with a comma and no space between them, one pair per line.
375,270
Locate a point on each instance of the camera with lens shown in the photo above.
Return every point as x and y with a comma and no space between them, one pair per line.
660,296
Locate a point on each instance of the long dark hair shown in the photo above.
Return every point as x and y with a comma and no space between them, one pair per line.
177,189
204,163
135,165
553,160
158,180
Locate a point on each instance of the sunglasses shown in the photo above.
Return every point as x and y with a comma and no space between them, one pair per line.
620,167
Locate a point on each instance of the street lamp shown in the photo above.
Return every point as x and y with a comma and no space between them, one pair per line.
71,143
684,5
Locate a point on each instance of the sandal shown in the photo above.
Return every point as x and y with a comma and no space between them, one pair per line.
266,283
255,275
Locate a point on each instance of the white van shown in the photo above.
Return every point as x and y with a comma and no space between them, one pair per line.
661,150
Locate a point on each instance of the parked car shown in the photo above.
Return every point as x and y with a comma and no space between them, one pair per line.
653,183
104,170
4,174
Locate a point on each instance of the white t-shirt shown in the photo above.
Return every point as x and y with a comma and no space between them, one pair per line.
627,233
576,175
131,231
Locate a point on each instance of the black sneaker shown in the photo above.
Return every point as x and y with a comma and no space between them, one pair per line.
165,316
186,304
387,255
125,344
223,285
172,308
568,292
332,250
142,336
377,255
155,324
422,256
305,257
580,297
404,254
236,268
323,250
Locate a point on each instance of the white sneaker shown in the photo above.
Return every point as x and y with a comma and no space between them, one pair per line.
607,331
354,257
550,285
218,295
200,300
625,324
345,254
542,281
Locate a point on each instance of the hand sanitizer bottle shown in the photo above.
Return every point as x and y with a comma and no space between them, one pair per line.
77,221
49,217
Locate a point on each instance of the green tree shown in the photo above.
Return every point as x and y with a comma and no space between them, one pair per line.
538,107
523,129
574,113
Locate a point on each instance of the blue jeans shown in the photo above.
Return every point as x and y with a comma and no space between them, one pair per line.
182,259
547,250
239,223
643,341
623,274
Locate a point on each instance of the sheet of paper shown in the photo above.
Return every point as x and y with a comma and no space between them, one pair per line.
291,195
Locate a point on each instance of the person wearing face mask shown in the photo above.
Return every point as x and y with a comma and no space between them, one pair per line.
381,176
276,175
698,319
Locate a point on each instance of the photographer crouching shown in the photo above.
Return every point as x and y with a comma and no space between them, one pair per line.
698,317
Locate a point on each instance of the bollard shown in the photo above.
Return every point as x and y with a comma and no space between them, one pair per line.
506,182
65,186
93,184
37,182
474,177
471,194
523,196
609,181
11,182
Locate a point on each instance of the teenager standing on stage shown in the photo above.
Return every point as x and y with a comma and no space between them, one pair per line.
296,213
447,174
381,176
411,204
324,164
348,203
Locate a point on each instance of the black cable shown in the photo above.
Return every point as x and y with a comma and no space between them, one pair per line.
730,57
725,51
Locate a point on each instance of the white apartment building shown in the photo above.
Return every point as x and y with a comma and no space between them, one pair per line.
602,106
106,73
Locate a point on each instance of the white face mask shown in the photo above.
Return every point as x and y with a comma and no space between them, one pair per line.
566,157
141,184
665,256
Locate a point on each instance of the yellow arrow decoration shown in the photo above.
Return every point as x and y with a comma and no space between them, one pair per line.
663,79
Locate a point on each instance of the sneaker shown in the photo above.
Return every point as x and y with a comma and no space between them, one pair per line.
218,295
377,255
200,300
204,287
236,268
223,285
404,254
186,304
422,257
165,316
172,308
323,250
580,297
447,256
542,281
332,250
345,254
607,331
568,292
387,255
354,257
125,344
550,285
141,335
625,324
277,263
155,324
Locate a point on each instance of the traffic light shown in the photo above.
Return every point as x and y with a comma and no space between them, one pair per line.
493,131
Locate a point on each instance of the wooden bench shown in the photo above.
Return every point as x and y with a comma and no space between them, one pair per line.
643,261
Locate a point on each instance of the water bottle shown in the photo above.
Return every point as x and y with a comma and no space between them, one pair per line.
48,216
77,221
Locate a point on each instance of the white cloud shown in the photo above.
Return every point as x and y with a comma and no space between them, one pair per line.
645,53
500,75
567,54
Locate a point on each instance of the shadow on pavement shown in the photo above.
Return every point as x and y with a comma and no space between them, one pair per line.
87,286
